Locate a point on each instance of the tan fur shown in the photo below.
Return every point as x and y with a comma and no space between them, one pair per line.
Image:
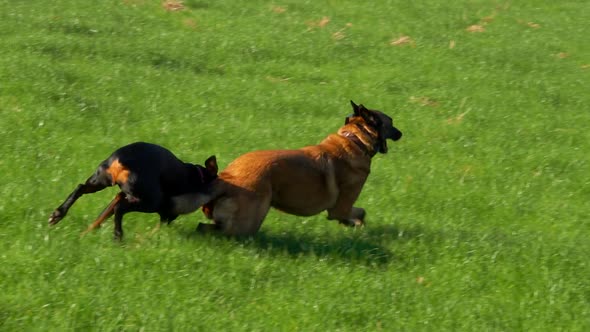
304,182
119,173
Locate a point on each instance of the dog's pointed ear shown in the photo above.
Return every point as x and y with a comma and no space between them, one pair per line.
211,165
366,114
355,108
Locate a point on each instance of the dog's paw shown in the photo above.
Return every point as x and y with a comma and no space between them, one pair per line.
55,217
117,236
352,222
358,213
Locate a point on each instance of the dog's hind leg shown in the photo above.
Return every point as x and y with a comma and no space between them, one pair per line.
146,200
222,211
105,214
96,182
241,215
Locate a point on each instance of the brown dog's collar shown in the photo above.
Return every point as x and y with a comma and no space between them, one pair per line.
354,138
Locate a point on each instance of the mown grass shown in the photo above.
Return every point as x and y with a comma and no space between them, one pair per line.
477,219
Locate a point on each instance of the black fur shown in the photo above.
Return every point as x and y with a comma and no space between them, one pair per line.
153,177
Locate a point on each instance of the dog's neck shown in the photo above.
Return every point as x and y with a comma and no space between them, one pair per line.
367,149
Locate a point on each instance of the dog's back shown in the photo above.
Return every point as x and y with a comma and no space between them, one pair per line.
300,182
151,161
143,158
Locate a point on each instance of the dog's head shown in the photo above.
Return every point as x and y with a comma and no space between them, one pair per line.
378,121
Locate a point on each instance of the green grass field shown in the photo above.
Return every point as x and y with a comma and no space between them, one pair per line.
478,219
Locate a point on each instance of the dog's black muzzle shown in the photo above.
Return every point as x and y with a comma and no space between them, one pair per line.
395,134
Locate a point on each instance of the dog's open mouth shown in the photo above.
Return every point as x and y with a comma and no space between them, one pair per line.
382,146
382,143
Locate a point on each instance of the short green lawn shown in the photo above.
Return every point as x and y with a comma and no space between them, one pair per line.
478,219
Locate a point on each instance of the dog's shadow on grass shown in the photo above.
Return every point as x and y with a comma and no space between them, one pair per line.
369,245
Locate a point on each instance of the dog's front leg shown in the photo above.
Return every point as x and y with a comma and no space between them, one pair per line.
356,217
344,212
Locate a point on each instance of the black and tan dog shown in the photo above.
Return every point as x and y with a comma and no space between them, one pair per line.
150,178
304,182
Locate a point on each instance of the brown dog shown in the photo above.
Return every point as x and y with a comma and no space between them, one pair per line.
304,182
